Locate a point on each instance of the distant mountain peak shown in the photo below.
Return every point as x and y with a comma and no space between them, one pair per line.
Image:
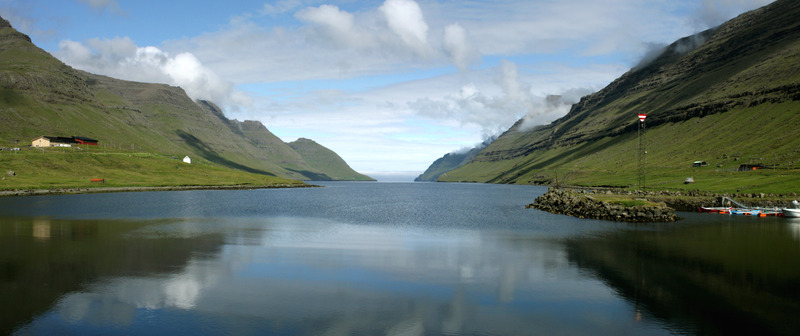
320,158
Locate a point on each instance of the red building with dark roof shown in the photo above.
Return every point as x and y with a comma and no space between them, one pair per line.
54,141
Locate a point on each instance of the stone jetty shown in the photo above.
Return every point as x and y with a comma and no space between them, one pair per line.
583,205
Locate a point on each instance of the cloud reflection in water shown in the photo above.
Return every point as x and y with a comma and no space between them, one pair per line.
303,275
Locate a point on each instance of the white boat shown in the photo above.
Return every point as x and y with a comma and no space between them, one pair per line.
715,209
792,212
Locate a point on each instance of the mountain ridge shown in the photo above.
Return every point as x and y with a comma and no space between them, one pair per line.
323,159
451,161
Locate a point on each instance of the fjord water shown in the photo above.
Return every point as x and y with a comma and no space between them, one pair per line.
383,259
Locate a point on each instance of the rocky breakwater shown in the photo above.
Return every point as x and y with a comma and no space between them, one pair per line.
583,205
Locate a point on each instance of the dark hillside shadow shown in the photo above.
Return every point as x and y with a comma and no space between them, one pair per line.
714,287
584,149
209,154
221,116
312,176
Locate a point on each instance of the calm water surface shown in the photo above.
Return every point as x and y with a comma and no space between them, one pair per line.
383,259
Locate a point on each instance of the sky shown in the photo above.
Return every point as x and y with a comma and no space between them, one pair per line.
388,85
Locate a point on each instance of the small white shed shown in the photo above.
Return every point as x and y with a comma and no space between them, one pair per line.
187,159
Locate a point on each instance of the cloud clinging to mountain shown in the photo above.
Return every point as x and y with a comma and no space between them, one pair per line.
121,58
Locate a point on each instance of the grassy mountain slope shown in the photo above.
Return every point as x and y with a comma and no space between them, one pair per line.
727,96
325,160
278,151
445,164
449,162
40,95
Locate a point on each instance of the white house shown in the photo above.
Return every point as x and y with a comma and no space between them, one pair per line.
187,159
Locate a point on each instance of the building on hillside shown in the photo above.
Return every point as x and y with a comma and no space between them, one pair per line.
747,167
85,141
54,141
187,159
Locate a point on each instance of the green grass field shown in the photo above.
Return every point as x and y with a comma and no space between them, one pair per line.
75,167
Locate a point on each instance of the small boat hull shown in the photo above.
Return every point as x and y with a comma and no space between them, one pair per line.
791,213
715,209
746,212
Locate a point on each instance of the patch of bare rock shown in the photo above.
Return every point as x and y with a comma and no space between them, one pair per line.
584,206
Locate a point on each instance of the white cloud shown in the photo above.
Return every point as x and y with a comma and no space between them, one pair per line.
333,43
121,58
406,20
551,107
510,82
74,50
491,106
461,52
330,22
328,16
493,113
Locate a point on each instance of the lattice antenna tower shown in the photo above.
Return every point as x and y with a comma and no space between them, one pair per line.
642,176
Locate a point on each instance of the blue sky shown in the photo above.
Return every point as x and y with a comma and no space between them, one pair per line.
389,85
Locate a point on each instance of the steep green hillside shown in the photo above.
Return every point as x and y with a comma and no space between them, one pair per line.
277,150
727,96
449,162
325,160
39,95
445,164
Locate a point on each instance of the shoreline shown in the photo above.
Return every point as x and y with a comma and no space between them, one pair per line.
642,206
584,205
97,190
690,201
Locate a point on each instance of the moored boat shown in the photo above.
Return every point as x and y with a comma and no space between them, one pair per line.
792,212
746,212
774,212
715,209
725,208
